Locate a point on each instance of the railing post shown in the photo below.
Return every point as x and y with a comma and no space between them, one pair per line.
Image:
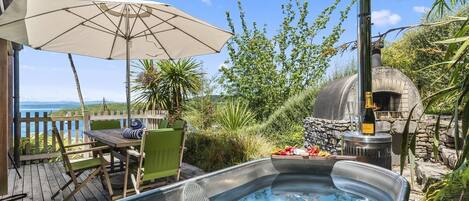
86,124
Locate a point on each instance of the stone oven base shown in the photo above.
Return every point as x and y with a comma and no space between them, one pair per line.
327,134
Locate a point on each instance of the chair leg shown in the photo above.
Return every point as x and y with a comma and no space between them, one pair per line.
126,175
134,182
62,188
108,181
77,188
178,176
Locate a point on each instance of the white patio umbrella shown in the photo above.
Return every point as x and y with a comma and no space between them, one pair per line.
110,29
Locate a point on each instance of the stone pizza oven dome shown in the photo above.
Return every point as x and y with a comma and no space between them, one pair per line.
394,95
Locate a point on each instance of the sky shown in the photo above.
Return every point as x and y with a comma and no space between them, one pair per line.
47,76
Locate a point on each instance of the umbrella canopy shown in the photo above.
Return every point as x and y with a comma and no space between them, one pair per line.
110,29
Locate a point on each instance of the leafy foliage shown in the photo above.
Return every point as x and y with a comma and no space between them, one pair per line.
214,149
234,116
200,110
267,71
416,54
166,84
285,125
455,94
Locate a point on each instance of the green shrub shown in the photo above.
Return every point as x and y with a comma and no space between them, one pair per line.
213,149
285,125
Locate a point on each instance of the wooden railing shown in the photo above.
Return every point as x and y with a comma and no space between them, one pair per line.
37,142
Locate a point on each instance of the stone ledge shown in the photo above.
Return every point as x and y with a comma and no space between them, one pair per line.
428,173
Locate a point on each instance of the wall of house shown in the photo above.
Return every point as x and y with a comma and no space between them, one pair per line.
327,134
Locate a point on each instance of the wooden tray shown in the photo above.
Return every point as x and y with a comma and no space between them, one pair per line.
331,157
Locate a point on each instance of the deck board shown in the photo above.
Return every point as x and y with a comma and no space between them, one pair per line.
18,189
27,183
37,188
41,180
46,189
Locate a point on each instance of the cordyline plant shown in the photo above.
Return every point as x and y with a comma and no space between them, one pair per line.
166,84
266,71
454,186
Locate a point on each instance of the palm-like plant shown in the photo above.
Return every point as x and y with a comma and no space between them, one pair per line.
166,84
148,87
180,79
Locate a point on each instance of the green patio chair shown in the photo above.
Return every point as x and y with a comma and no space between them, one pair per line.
160,156
105,125
163,124
179,125
75,169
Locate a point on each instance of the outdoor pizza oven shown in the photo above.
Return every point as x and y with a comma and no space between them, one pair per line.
394,95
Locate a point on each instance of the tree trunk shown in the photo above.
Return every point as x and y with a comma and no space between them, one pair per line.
77,83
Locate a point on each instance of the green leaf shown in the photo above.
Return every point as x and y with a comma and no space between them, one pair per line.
406,138
453,40
460,54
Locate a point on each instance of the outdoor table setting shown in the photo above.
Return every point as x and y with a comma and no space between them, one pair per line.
127,144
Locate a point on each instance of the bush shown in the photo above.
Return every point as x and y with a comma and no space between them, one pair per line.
285,125
213,150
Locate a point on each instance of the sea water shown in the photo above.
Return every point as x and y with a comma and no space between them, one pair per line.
267,194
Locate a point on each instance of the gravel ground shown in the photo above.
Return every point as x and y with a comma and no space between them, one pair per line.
416,193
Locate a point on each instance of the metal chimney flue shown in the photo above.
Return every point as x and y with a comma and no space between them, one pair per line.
373,149
376,57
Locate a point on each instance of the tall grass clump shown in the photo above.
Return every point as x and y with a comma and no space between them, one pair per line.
215,149
235,115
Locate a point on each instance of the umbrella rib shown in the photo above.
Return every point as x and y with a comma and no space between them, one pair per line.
136,35
88,19
104,12
158,41
133,24
115,35
99,30
45,13
193,37
106,30
190,19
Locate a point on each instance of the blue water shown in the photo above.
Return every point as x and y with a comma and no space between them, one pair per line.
267,194
46,107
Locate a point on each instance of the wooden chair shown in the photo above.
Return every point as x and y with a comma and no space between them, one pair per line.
160,156
75,169
179,125
104,125
163,124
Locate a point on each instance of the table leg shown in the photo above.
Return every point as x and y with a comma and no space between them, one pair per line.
112,161
126,175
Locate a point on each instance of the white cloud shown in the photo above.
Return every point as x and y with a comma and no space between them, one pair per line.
421,9
384,18
207,2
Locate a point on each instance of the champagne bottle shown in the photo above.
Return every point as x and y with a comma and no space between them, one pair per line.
368,123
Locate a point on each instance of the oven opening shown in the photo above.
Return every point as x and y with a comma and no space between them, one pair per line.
386,101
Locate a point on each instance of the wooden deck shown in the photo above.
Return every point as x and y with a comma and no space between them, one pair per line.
41,180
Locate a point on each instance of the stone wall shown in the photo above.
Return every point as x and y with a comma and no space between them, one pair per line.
327,134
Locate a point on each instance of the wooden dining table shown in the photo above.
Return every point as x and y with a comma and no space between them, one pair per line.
114,139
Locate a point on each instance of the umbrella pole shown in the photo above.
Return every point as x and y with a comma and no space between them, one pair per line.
129,107
127,55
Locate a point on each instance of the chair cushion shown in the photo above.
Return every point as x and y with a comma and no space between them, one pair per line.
86,164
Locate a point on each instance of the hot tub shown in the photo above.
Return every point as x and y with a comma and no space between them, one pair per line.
288,179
